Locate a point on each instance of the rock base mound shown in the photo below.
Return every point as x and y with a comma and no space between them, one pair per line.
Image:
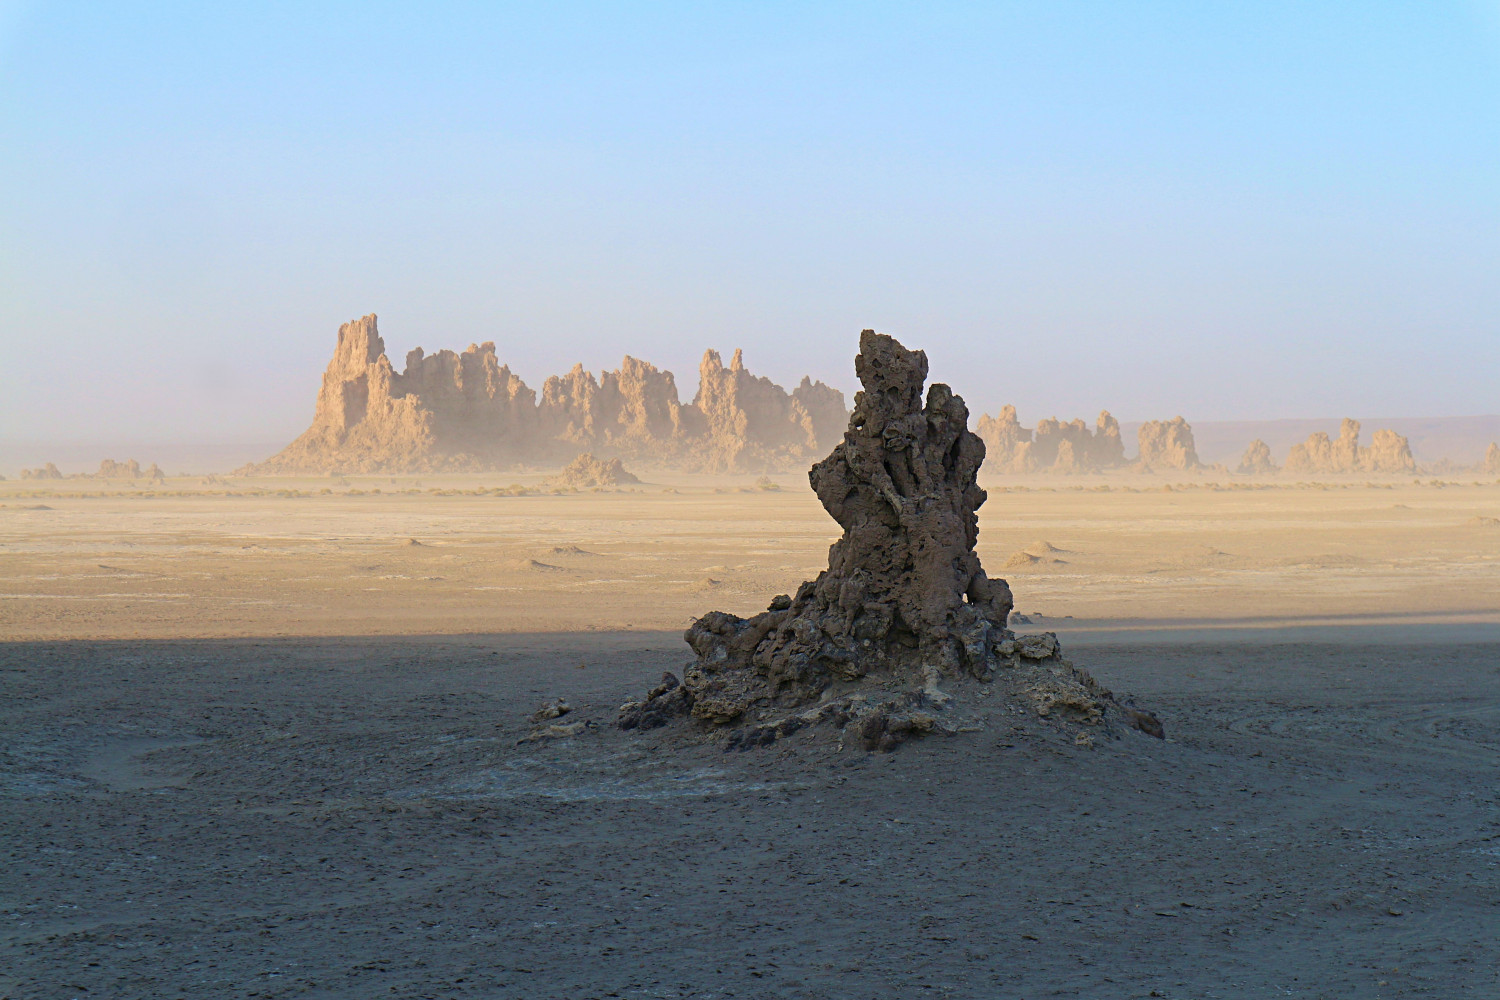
1031,679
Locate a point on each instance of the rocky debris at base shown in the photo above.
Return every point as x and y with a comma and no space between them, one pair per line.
903,606
1030,671
468,412
558,731
589,473
551,710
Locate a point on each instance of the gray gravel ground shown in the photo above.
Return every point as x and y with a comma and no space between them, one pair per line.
355,818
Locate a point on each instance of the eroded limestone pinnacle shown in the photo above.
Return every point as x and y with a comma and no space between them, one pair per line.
904,605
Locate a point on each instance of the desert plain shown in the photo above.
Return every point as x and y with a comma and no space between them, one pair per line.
273,737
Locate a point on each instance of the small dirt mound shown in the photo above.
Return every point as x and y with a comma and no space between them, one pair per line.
570,550
1036,554
1480,521
587,472
533,566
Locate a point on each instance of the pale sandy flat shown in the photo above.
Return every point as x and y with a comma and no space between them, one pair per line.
260,745
244,560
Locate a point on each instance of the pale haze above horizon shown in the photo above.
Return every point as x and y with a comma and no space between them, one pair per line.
1228,211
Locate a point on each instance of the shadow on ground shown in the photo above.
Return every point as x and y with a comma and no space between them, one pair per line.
356,817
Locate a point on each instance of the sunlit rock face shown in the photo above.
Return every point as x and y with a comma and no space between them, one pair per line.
1167,446
1257,460
1388,452
1053,446
467,412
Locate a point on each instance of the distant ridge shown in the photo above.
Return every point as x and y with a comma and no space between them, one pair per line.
1460,440
451,412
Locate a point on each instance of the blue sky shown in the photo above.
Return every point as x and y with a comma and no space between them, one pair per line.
1227,210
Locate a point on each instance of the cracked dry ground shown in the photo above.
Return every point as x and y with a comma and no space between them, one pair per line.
355,818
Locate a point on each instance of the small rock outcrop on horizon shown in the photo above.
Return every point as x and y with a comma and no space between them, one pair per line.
108,469
468,412
1388,452
130,469
1257,460
1167,446
1053,446
589,473
903,607
1491,464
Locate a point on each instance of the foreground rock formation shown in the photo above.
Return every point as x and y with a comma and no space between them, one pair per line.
1388,452
468,412
904,605
1053,446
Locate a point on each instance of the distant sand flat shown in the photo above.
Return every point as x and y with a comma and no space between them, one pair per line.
272,557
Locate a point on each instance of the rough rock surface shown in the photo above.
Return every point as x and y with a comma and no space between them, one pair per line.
1388,452
587,472
903,606
462,412
1257,460
48,471
1167,446
1053,446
